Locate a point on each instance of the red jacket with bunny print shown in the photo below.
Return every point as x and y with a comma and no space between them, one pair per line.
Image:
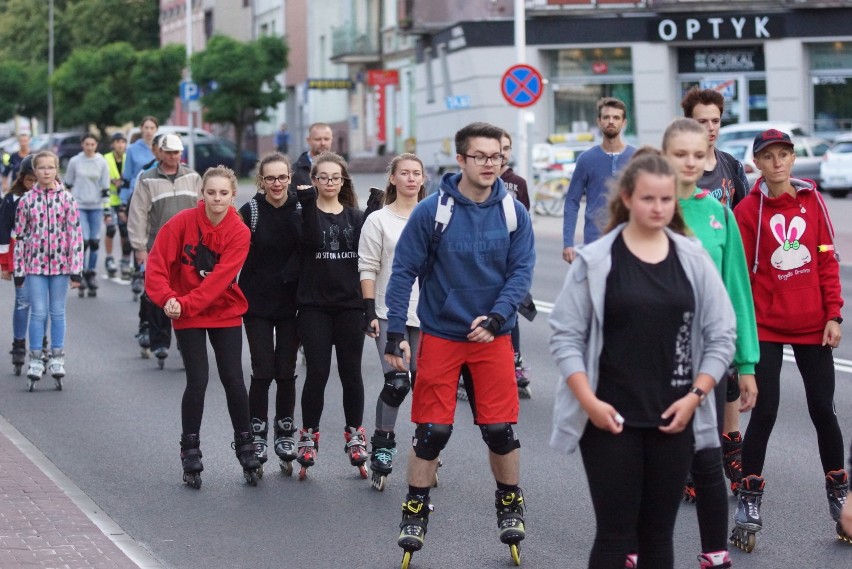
209,300
795,276
48,237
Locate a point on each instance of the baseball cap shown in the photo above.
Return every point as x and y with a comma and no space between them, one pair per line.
118,136
171,143
768,137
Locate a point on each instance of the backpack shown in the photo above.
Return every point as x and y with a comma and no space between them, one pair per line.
254,214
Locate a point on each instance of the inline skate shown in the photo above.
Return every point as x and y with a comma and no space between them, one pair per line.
356,448
56,367
91,280
35,369
260,430
715,560
510,520
837,489
161,354
19,355
143,336
124,269
412,528
732,449
285,444
307,449
521,377
111,267
381,459
190,458
747,520
81,290
243,446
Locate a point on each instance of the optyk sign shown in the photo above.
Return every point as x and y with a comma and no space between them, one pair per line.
717,28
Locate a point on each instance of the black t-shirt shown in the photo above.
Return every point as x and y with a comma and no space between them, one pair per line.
646,361
722,181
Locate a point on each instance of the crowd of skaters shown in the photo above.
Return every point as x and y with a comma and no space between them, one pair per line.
302,264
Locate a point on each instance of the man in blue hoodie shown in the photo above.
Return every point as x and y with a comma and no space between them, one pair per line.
472,277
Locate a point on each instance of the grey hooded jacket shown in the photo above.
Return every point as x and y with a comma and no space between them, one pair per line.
577,341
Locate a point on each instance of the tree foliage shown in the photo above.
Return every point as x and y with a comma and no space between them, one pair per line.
238,81
23,89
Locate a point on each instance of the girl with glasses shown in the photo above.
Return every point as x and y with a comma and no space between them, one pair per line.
330,306
269,279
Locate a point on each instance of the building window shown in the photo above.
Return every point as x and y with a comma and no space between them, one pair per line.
580,77
831,81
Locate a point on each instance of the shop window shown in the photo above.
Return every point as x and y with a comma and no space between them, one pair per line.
831,81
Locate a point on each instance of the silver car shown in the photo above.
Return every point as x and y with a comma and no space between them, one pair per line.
809,155
836,167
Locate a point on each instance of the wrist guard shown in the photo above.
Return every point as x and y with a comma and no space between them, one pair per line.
369,313
392,346
493,323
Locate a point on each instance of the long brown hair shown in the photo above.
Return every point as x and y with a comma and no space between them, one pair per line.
646,160
390,190
347,195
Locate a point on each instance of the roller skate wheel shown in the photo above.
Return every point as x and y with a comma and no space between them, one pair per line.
406,559
515,550
260,472
145,353
842,536
193,479
251,476
379,481
286,468
18,369
362,470
525,392
161,363
303,473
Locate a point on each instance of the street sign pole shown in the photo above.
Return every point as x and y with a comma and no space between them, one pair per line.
190,112
521,154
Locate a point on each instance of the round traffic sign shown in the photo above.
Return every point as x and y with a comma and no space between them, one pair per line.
522,85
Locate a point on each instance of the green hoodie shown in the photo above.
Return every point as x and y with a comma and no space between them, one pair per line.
714,225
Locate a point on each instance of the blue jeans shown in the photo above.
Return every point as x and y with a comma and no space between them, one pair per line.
90,223
21,315
47,294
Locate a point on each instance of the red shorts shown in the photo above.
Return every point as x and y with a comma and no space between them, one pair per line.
492,367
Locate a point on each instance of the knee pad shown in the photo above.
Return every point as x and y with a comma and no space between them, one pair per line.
94,244
430,439
122,229
500,437
396,388
110,231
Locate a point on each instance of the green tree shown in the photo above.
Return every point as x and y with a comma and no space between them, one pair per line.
23,90
238,81
24,31
95,23
152,84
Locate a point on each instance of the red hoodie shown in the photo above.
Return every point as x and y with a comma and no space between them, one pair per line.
795,276
212,301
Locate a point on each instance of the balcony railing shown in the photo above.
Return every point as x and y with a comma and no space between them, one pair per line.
353,44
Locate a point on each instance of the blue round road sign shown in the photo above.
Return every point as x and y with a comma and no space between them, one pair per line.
522,85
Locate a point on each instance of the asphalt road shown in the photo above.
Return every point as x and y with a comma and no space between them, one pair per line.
114,431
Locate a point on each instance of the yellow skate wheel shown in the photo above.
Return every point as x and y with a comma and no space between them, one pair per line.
751,541
406,560
515,550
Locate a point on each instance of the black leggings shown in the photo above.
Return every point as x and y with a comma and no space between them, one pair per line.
159,325
636,481
319,331
816,365
274,345
711,499
227,347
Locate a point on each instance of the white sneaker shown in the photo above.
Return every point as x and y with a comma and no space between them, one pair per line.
36,368
56,365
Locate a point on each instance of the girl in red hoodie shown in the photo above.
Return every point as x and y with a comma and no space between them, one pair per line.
191,274
795,277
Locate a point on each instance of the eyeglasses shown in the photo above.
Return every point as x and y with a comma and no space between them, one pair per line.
283,179
480,160
325,180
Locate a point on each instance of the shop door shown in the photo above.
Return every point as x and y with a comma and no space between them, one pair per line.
745,96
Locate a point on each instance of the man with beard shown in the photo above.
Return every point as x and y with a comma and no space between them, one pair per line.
595,167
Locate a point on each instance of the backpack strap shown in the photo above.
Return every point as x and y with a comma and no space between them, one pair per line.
443,213
254,214
510,213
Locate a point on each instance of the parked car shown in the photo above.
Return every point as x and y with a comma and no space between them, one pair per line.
752,129
215,151
64,144
836,167
809,155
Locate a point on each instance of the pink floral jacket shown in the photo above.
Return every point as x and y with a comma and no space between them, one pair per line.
49,240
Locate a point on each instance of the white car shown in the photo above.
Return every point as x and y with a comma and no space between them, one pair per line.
752,129
836,167
809,155
182,131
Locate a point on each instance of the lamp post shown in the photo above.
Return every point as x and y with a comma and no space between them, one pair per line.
50,76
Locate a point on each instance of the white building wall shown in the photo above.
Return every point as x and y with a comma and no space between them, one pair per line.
654,72
787,85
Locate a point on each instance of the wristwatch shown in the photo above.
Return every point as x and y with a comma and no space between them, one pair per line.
838,319
699,392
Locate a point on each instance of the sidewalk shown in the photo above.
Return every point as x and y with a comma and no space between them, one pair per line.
47,521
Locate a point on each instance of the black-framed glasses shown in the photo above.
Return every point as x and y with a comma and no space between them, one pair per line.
325,180
284,179
481,160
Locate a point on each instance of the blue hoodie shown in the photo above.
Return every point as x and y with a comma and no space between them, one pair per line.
479,267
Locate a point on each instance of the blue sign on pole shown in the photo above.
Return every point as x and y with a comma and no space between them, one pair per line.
189,91
522,85
457,102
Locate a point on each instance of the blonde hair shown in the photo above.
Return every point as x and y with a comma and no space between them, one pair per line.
45,154
682,125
